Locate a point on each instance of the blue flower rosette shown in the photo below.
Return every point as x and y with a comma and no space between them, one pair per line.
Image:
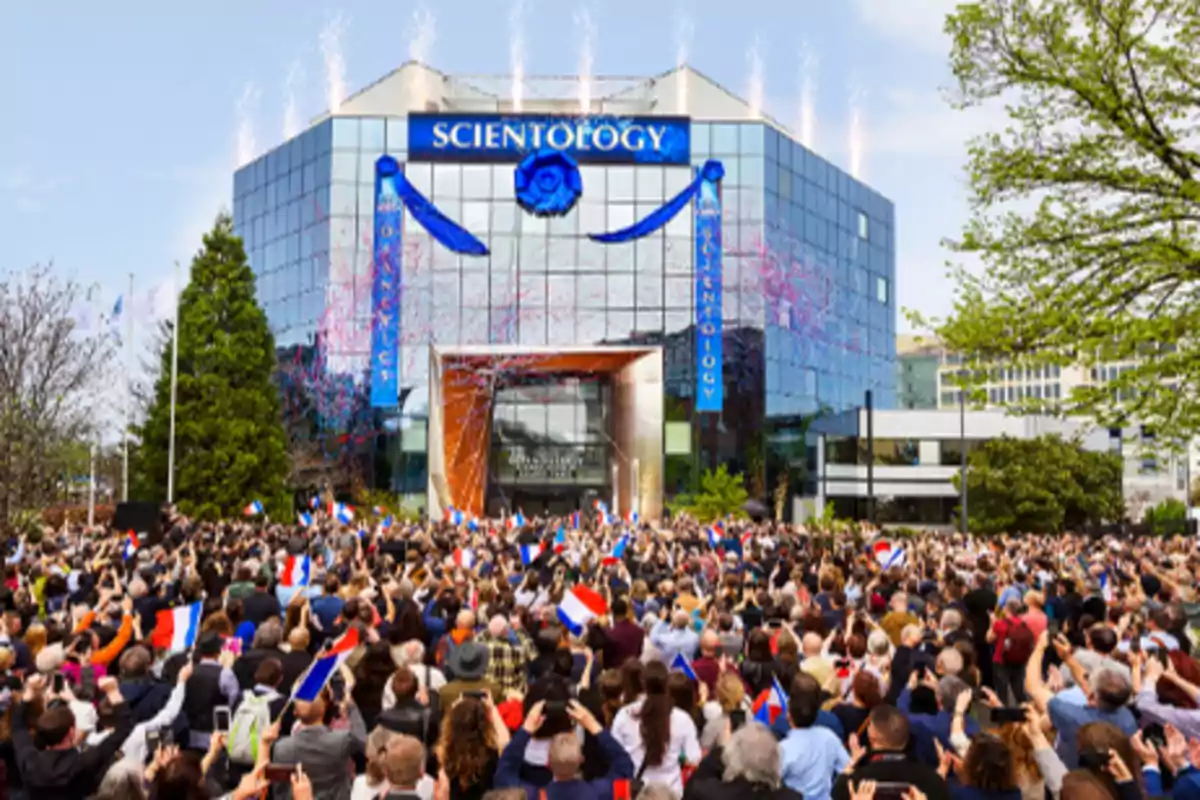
548,183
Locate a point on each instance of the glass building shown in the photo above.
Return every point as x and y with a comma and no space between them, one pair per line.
808,284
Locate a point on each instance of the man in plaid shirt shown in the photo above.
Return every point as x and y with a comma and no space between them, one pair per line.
509,653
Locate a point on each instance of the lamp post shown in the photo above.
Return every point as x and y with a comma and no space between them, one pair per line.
962,446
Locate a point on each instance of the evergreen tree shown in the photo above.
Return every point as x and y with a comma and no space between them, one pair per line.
230,446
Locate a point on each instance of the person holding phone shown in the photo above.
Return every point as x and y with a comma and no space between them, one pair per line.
136,747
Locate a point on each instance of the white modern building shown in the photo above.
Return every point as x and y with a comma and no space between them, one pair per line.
917,453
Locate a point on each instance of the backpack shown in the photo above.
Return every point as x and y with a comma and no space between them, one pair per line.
252,717
1018,643
445,649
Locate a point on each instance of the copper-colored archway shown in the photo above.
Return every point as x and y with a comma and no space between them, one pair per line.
461,386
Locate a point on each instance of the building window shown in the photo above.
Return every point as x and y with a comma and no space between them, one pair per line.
881,290
863,226
947,398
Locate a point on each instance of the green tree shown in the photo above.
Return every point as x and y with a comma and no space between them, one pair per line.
230,446
721,495
1168,518
1084,206
1042,485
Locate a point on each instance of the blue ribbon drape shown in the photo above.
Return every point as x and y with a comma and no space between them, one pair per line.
448,232
712,171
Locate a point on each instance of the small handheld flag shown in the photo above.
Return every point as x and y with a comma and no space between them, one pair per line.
631,517
560,540
305,519
888,554
175,629
296,571
574,520
516,521
580,606
681,664
618,551
131,545
464,557
254,509
315,503
342,512
530,552
454,516
309,687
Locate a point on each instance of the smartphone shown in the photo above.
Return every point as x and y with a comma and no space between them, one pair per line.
889,790
221,719
279,773
475,694
1155,734
556,707
1093,759
737,719
60,682
153,742
1005,715
1135,645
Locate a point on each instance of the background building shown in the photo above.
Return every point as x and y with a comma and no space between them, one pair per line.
1152,473
918,365
808,263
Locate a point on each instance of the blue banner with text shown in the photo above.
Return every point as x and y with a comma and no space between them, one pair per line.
510,137
710,389
385,285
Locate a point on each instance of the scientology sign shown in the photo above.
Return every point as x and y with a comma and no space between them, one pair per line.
507,138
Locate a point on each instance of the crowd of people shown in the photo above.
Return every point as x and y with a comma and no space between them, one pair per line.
545,661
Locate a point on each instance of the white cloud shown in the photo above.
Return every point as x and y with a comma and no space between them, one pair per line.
917,22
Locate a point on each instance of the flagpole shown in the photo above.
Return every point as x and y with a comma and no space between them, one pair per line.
174,382
92,486
128,396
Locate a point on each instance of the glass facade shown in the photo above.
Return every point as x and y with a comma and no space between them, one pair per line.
809,273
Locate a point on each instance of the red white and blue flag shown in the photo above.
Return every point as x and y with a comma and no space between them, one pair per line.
176,629
296,571
305,519
580,606
254,509
888,554
131,545
575,520
530,552
309,687
631,517
464,557
618,551
342,512
770,703
560,539
517,520
454,516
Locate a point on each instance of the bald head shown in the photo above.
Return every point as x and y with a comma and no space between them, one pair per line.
465,620
498,627
811,644
679,619
709,644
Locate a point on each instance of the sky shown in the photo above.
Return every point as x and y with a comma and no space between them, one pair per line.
126,118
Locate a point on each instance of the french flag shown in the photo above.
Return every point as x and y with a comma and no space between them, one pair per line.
681,664
175,629
309,687
388,521
560,539
770,703
1106,589
473,524
530,552
315,503
888,554
517,520
296,571
131,545
618,551
599,505
631,517
305,519
580,606
454,516
605,517
464,557
714,538
342,512
574,521
254,509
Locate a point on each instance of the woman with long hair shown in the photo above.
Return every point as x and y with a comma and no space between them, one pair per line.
987,772
371,676
685,697
759,667
657,736
472,738
632,673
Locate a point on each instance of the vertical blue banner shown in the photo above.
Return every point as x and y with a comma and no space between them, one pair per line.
385,286
710,386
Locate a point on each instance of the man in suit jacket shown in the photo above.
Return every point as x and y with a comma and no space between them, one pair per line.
324,753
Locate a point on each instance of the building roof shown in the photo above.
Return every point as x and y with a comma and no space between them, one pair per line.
918,344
